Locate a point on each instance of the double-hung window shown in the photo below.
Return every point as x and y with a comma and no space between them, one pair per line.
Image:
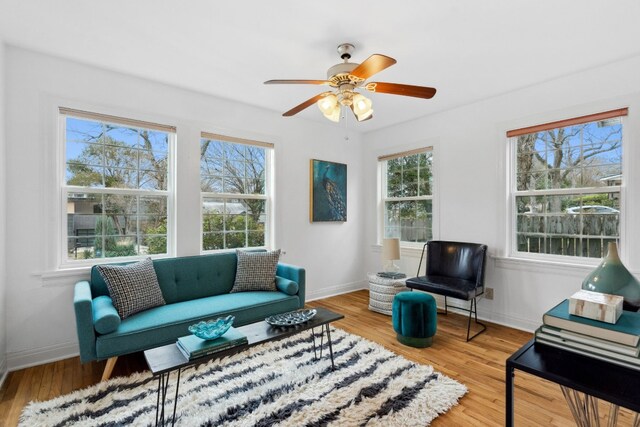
235,185
116,187
566,178
407,195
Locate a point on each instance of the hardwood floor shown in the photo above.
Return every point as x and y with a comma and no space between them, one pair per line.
479,364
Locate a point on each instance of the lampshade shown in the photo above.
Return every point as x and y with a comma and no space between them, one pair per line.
362,106
335,115
390,249
328,105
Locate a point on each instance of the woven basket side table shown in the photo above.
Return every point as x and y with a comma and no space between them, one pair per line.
381,292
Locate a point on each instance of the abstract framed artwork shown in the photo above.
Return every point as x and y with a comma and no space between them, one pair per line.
328,182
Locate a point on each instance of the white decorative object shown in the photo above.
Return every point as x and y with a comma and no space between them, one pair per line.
382,291
596,305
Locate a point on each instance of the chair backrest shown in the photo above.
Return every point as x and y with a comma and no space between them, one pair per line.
456,259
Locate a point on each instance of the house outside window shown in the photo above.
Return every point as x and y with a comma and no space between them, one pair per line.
407,195
235,188
565,186
116,187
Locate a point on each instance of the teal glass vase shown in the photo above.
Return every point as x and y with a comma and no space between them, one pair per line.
612,277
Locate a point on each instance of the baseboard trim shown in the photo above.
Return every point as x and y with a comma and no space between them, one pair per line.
332,291
38,356
497,318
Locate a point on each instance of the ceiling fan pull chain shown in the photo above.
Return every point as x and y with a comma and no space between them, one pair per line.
346,123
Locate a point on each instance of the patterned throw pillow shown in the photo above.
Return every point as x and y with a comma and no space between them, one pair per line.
133,287
256,271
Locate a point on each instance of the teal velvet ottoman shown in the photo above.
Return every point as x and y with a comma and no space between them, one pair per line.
414,318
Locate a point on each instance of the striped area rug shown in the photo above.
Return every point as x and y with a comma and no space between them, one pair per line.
277,383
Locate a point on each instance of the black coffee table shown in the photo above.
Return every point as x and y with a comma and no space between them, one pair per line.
162,361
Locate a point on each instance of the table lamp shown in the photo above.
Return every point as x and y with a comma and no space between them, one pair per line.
390,253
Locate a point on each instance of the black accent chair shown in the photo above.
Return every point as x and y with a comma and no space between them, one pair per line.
456,270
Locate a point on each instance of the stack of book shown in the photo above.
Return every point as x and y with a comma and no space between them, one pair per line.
617,343
193,347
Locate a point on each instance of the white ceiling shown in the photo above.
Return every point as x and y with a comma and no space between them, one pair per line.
467,49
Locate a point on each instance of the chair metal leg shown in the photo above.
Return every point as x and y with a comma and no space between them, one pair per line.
473,309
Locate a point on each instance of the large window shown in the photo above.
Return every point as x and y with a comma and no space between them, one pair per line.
234,179
565,185
407,195
116,186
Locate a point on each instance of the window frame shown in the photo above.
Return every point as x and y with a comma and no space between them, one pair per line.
513,192
64,262
382,161
267,196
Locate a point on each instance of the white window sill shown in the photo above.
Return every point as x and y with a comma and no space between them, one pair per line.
64,277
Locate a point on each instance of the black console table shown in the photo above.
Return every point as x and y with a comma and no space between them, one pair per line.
576,374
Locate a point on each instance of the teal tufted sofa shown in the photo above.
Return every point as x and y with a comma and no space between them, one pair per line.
195,288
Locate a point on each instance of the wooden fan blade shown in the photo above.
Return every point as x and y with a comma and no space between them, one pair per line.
297,82
400,89
305,104
356,116
373,64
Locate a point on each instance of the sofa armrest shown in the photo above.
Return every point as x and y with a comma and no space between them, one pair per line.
296,274
84,321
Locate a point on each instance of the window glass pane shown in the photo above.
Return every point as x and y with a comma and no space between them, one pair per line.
106,155
408,220
574,225
107,226
572,157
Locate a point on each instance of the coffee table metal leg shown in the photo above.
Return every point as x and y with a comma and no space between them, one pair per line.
313,334
333,366
175,400
158,398
163,386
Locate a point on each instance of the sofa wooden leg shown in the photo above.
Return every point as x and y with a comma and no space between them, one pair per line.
111,362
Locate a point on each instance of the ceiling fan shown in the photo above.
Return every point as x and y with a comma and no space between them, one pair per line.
346,78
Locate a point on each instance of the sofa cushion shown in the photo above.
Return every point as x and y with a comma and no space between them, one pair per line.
133,287
256,271
287,286
105,315
164,325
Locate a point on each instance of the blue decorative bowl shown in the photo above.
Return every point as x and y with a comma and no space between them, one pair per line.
212,329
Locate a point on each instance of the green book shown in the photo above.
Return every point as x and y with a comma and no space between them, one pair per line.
193,347
625,331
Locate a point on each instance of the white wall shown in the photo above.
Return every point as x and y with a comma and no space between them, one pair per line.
40,319
3,291
470,150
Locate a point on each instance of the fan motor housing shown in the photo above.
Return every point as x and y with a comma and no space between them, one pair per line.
342,68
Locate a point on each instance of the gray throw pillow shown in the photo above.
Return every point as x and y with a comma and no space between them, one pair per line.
132,287
256,271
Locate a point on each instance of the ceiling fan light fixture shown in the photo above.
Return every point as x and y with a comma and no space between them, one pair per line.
362,107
